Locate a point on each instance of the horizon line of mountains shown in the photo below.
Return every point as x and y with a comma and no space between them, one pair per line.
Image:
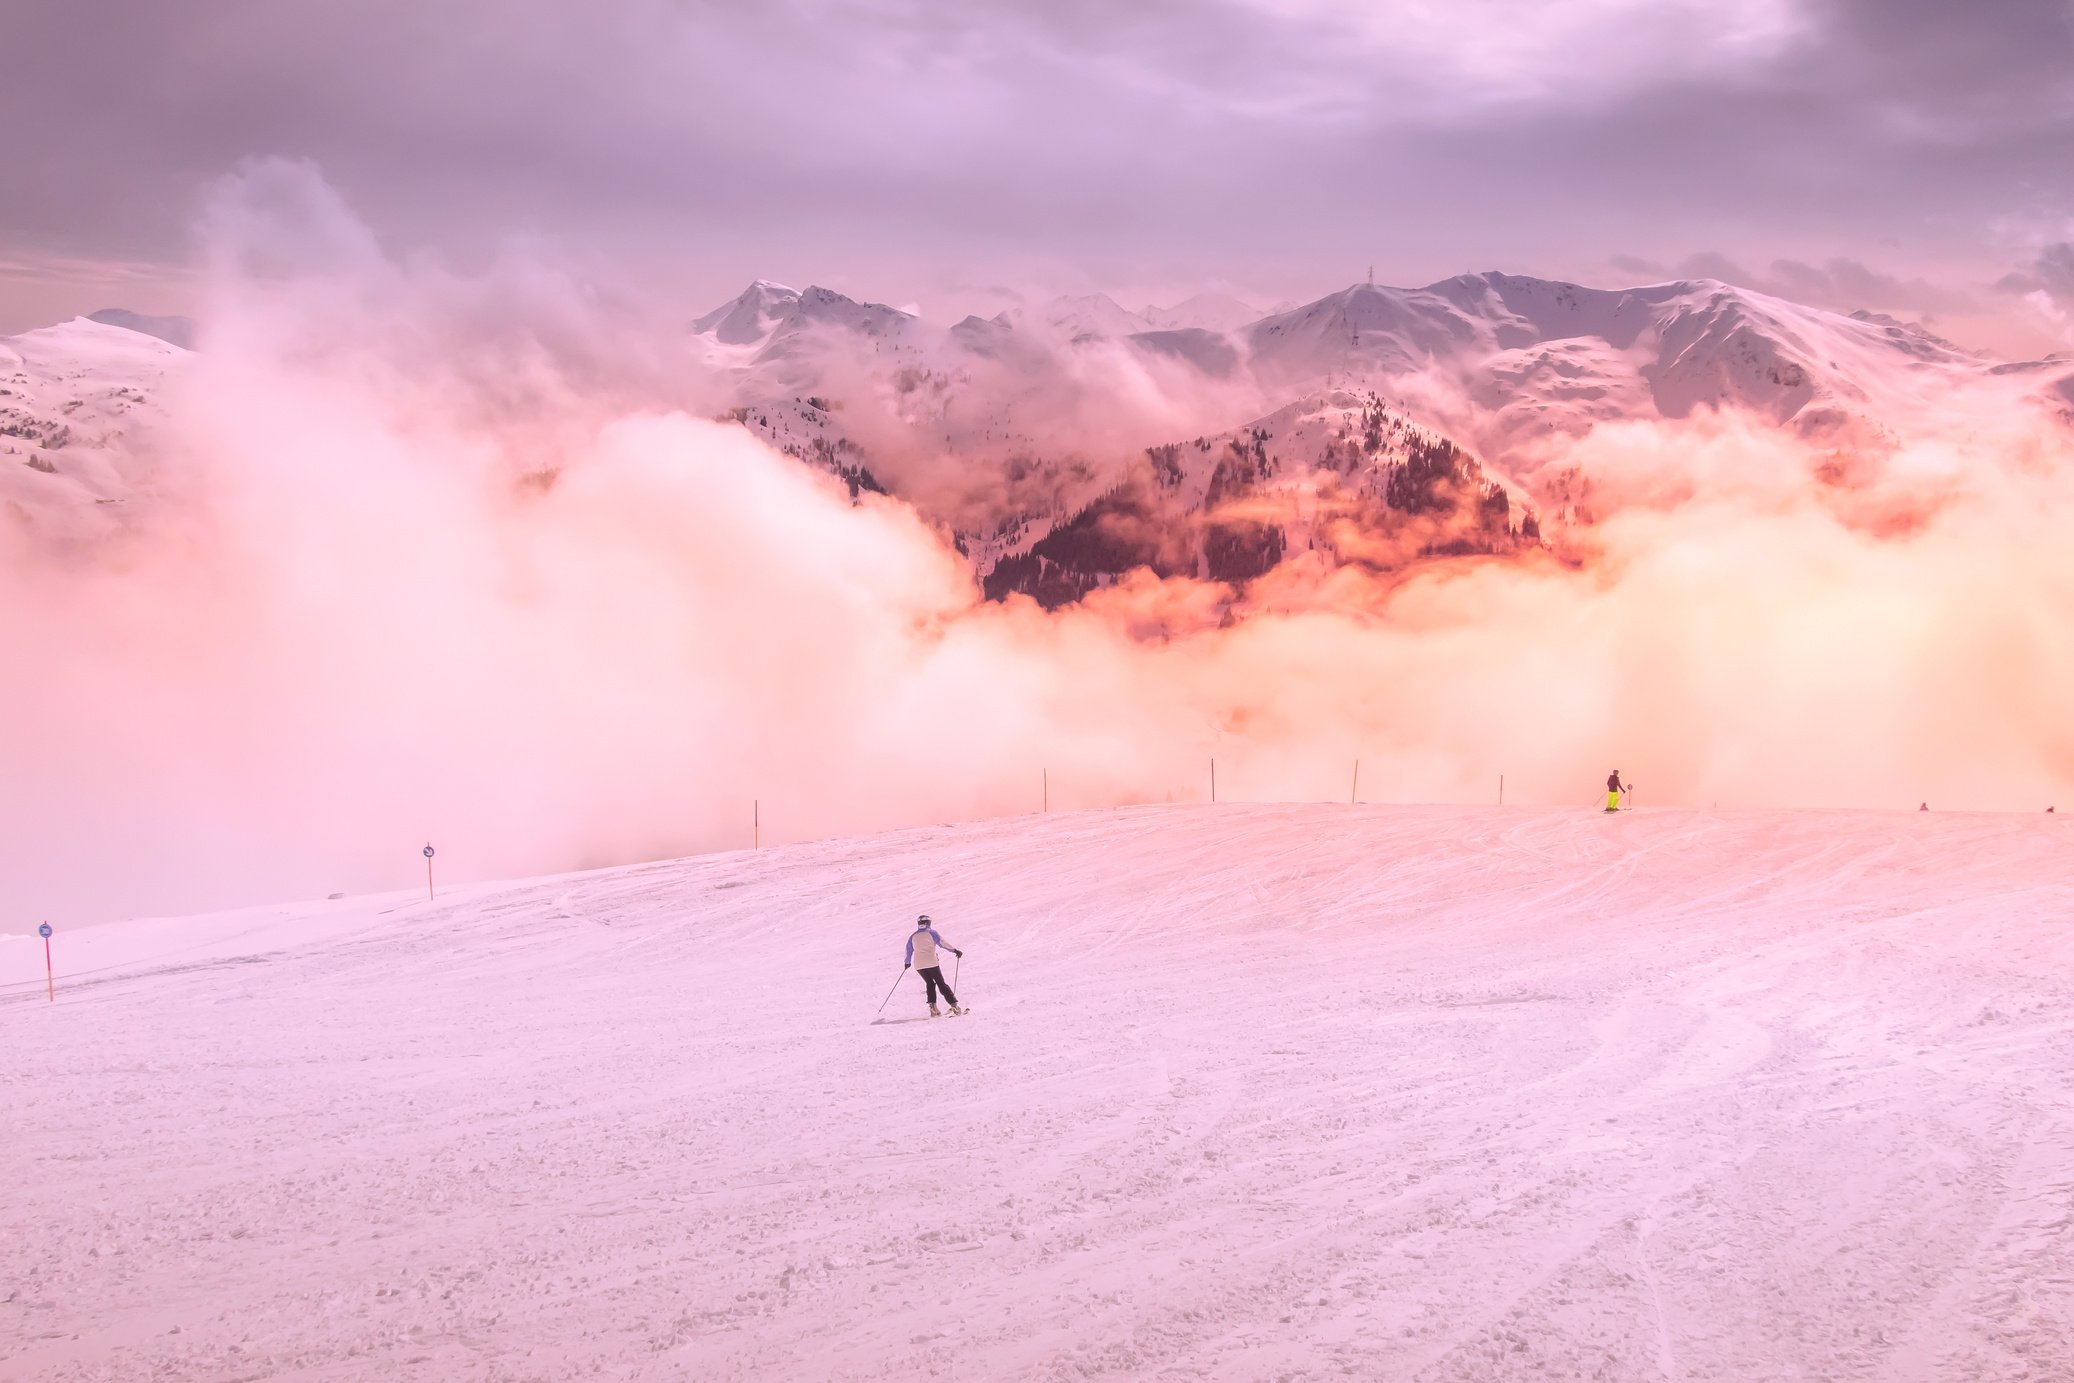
1062,448
1375,426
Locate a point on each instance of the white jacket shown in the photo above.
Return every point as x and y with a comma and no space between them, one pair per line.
922,948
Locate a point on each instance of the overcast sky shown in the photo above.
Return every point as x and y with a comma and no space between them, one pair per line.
1911,156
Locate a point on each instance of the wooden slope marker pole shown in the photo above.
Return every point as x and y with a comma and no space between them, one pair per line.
50,984
1213,781
429,895
1354,797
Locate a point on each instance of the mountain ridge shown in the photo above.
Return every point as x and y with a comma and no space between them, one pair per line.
1032,439
1507,368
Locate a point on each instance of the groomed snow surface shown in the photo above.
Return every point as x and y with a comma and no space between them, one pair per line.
1248,1093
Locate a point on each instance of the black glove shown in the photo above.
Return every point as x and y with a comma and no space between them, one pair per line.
909,966
959,954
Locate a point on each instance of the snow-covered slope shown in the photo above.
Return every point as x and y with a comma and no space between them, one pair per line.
1535,358
809,430
75,401
1253,1092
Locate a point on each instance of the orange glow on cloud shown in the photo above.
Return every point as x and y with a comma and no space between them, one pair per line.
357,625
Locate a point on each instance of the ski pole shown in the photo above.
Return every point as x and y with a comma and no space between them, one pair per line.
889,993
955,964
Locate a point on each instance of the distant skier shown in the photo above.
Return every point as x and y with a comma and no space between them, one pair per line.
1614,788
923,946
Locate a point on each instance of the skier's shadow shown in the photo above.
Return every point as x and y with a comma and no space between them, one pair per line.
889,1022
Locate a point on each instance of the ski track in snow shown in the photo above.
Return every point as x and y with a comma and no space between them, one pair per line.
1249,1093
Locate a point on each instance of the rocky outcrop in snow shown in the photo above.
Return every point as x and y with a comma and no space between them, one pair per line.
1340,476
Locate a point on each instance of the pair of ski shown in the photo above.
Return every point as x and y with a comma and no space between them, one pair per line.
956,1012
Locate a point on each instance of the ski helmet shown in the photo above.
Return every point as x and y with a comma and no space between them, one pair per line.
923,920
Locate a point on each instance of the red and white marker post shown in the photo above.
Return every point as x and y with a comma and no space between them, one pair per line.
50,984
429,895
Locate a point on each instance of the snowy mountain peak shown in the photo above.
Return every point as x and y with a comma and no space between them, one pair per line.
787,332
750,318
825,306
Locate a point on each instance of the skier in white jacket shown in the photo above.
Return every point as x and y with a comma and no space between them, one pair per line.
923,946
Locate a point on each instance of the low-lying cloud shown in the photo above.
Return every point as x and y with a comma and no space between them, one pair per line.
460,559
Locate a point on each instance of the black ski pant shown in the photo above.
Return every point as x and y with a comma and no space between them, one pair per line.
932,976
